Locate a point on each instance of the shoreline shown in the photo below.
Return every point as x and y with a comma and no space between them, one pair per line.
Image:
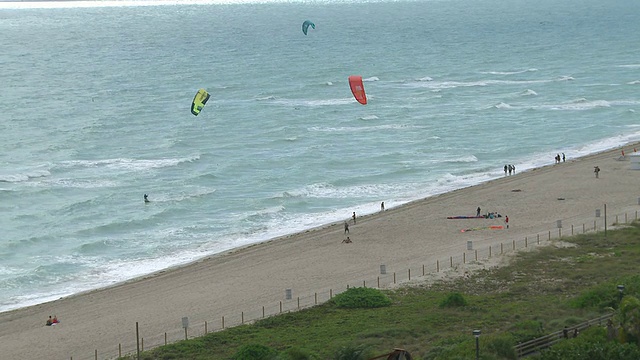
245,278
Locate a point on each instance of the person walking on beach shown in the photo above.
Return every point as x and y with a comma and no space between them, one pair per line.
513,167
510,168
563,158
505,170
596,170
382,206
354,217
346,227
506,220
478,212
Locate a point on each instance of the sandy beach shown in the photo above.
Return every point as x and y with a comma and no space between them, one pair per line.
244,280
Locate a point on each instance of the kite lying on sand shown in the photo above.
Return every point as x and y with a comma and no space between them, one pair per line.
466,217
492,227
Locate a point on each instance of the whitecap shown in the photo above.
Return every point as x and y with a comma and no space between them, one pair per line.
508,72
24,175
129,164
502,106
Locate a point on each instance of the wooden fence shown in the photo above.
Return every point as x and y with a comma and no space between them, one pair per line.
533,347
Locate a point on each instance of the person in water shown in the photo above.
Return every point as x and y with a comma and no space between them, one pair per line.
146,198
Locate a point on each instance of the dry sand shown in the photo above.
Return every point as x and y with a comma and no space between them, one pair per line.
315,261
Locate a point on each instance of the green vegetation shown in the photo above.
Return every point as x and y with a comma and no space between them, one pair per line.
540,292
361,298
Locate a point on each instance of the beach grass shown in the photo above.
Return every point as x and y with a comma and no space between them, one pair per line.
535,293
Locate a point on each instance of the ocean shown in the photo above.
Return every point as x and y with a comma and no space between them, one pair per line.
95,101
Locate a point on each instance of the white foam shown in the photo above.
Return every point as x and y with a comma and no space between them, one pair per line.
23,175
502,106
508,72
128,163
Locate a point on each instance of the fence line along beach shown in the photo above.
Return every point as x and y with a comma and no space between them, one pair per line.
244,280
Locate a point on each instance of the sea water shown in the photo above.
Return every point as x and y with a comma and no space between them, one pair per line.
95,100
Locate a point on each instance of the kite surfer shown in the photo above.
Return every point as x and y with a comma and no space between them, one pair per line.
146,198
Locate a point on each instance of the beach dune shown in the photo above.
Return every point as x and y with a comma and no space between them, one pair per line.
316,260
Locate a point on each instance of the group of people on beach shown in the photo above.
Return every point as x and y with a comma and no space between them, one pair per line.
52,320
558,158
509,169
492,215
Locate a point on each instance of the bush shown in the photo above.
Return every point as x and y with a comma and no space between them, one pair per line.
296,354
361,297
454,300
502,346
255,352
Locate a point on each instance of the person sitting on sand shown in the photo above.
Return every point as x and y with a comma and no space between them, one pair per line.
347,240
49,321
55,320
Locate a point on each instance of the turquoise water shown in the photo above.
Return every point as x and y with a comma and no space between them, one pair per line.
94,112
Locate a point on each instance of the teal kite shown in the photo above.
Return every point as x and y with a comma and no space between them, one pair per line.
306,24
